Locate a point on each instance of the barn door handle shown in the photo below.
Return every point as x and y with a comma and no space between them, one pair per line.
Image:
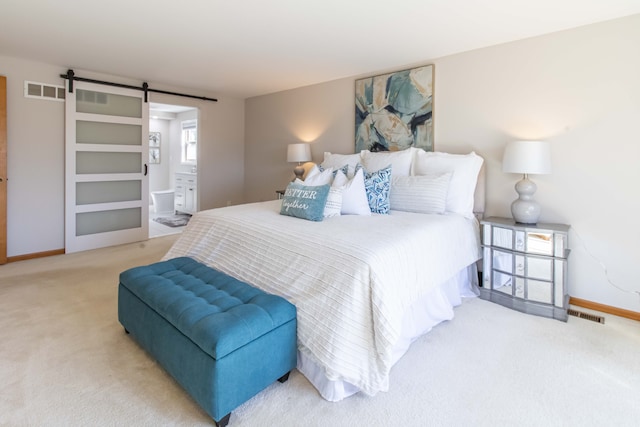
146,169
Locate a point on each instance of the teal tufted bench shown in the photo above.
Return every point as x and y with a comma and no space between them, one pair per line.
222,340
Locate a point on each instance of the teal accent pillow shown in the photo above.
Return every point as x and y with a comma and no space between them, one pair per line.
306,202
378,186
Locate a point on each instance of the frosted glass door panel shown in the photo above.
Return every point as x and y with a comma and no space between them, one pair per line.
108,104
96,162
107,133
104,221
88,193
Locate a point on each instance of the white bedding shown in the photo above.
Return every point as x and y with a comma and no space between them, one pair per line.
352,278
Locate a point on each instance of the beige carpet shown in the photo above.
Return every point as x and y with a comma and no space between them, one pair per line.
65,361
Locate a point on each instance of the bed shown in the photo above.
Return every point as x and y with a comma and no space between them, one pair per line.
365,286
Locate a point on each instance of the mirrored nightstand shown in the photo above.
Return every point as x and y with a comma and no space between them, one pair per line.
525,266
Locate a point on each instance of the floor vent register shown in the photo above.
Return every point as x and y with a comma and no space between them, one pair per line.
582,315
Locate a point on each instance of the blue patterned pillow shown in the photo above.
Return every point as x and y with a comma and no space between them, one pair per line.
303,201
344,170
378,186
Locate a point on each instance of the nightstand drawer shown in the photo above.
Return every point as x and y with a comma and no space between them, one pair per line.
541,242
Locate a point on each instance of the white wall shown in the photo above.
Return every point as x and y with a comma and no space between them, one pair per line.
35,130
578,89
159,175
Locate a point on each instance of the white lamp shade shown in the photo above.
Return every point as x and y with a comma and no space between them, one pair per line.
527,157
298,153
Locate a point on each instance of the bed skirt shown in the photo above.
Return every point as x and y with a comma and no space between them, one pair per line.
434,308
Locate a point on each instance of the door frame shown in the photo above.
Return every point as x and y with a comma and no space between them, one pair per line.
3,170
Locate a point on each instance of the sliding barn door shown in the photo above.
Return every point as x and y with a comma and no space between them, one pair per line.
107,150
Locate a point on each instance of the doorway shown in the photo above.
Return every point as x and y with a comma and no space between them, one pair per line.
172,173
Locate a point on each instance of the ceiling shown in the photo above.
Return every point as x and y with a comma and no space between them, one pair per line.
254,47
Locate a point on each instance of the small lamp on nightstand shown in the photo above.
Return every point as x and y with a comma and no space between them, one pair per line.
526,157
298,153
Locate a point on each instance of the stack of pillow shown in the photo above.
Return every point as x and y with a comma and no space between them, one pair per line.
411,180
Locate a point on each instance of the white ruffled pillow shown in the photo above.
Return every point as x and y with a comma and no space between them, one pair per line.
464,169
337,161
400,161
354,194
316,177
421,194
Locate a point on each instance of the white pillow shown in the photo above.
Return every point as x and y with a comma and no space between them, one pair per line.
337,161
421,194
399,160
334,202
354,195
464,169
315,177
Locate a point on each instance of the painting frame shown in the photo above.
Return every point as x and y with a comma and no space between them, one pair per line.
154,139
394,111
154,155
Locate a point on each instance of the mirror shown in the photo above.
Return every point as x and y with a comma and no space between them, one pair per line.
540,243
540,268
540,291
502,282
502,237
520,285
502,261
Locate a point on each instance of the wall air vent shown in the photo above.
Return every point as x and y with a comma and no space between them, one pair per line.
43,91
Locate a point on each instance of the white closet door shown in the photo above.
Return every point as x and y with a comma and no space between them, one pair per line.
107,151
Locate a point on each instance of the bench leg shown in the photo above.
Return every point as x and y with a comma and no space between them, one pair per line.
223,421
285,377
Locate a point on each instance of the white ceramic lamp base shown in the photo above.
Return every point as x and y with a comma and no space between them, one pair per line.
524,209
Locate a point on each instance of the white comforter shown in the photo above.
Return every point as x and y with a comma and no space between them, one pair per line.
350,277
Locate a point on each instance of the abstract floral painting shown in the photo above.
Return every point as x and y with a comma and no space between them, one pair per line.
154,139
395,111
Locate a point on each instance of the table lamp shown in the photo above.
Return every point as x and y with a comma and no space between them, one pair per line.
298,153
526,157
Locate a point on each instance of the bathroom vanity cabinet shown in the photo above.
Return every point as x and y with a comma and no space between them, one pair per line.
186,190
525,266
